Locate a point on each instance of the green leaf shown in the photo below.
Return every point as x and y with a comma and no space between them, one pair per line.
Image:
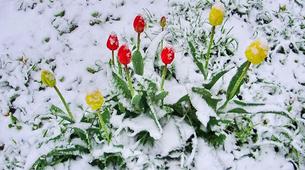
212,137
215,78
183,108
60,14
197,62
207,96
82,135
247,104
60,113
137,102
160,96
110,159
238,110
59,155
144,138
237,80
121,85
106,116
138,63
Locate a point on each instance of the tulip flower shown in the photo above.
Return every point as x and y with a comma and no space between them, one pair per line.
217,13
163,22
124,57
256,52
167,57
139,25
95,101
49,80
112,44
216,17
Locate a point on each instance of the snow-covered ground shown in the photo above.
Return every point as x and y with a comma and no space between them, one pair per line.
69,36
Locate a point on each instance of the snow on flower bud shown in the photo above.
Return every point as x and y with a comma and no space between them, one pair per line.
163,22
139,24
95,100
48,78
257,51
112,42
217,14
124,54
167,55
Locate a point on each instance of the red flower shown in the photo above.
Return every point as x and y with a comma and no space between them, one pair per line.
112,42
167,55
124,54
139,24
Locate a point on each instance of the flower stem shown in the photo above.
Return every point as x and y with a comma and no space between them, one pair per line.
112,61
163,76
129,81
103,126
139,40
209,49
64,102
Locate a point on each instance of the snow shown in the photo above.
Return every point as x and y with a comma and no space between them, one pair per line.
33,38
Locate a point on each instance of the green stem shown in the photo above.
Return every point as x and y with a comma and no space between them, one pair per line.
209,49
139,40
64,102
129,81
163,76
103,126
162,40
112,61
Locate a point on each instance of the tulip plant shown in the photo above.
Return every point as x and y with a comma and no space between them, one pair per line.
49,80
137,95
96,100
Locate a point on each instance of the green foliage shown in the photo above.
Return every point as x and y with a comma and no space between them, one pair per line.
213,137
138,62
114,160
214,79
121,85
60,113
237,80
207,96
196,59
144,138
59,155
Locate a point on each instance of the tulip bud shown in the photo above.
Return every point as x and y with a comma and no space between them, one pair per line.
256,52
124,54
95,100
48,78
217,14
112,42
163,22
167,55
139,24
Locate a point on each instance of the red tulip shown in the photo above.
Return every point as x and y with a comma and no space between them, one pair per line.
139,24
167,55
112,42
124,54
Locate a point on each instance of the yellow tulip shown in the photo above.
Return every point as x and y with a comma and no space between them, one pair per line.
95,100
48,78
217,14
256,52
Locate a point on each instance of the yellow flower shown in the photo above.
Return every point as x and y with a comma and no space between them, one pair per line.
163,22
48,78
95,100
256,52
217,14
